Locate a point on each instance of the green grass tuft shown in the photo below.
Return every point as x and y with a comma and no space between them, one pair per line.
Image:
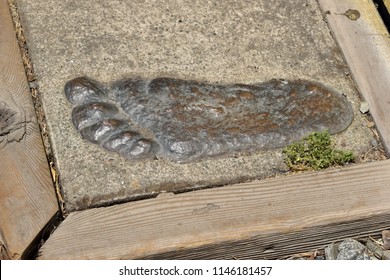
315,152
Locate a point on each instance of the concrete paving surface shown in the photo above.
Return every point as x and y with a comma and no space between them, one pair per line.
219,42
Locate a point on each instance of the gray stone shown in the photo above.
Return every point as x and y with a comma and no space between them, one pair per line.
364,108
374,248
386,239
386,255
331,251
351,249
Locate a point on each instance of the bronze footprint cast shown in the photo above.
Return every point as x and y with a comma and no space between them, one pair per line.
187,120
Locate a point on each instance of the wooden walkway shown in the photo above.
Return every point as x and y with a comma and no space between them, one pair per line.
365,44
27,198
263,219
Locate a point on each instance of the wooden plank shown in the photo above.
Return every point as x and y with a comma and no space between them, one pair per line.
387,4
27,198
263,219
365,44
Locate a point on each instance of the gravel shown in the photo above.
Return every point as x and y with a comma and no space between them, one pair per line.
351,249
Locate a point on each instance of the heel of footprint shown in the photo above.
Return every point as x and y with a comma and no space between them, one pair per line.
98,121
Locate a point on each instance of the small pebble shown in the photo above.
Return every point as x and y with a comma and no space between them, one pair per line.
331,252
351,249
33,84
374,248
386,239
374,142
364,108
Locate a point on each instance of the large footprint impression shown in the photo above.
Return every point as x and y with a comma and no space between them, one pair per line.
188,120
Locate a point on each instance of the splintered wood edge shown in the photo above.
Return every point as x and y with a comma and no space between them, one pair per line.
262,219
27,198
365,43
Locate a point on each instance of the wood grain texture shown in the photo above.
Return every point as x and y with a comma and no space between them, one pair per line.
27,197
263,219
365,44
387,4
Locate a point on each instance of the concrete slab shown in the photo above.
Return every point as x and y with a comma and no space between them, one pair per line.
220,42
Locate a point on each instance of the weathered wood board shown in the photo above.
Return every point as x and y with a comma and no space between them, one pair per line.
387,4
263,219
365,44
27,197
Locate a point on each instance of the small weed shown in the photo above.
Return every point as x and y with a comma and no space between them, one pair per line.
315,152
